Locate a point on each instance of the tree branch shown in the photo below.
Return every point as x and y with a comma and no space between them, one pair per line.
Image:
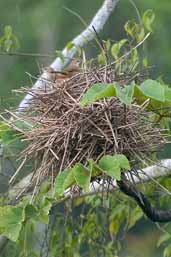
153,213
161,169
87,35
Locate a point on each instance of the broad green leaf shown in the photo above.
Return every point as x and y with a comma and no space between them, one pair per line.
147,19
115,49
123,161
82,176
11,218
96,92
110,165
125,94
113,165
69,180
153,89
63,181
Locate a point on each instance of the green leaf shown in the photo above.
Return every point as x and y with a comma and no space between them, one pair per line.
7,134
145,62
165,237
44,209
70,45
101,58
167,251
69,180
112,165
107,44
168,94
94,168
31,212
115,49
140,34
134,216
131,28
63,181
11,218
8,31
82,176
125,94
153,89
114,226
123,161
147,19
96,92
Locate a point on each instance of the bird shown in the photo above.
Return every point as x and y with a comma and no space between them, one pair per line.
71,70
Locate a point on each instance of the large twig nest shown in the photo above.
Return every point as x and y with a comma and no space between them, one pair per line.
66,133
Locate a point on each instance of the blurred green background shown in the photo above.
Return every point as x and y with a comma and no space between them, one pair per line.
44,26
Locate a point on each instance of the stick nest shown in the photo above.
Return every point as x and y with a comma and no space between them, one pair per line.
65,133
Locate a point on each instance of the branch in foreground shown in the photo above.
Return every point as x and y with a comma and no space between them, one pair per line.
154,214
161,169
87,35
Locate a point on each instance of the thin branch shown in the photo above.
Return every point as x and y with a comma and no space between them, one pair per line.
87,35
33,55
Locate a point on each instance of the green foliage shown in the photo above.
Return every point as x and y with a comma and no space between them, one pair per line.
97,229
64,180
7,134
112,165
154,90
167,251
9,40
115,49
125,94
81,175
11,218
148,19
163,238
69,45
159,95
98,91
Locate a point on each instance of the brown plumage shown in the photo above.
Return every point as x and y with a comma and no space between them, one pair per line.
71,70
